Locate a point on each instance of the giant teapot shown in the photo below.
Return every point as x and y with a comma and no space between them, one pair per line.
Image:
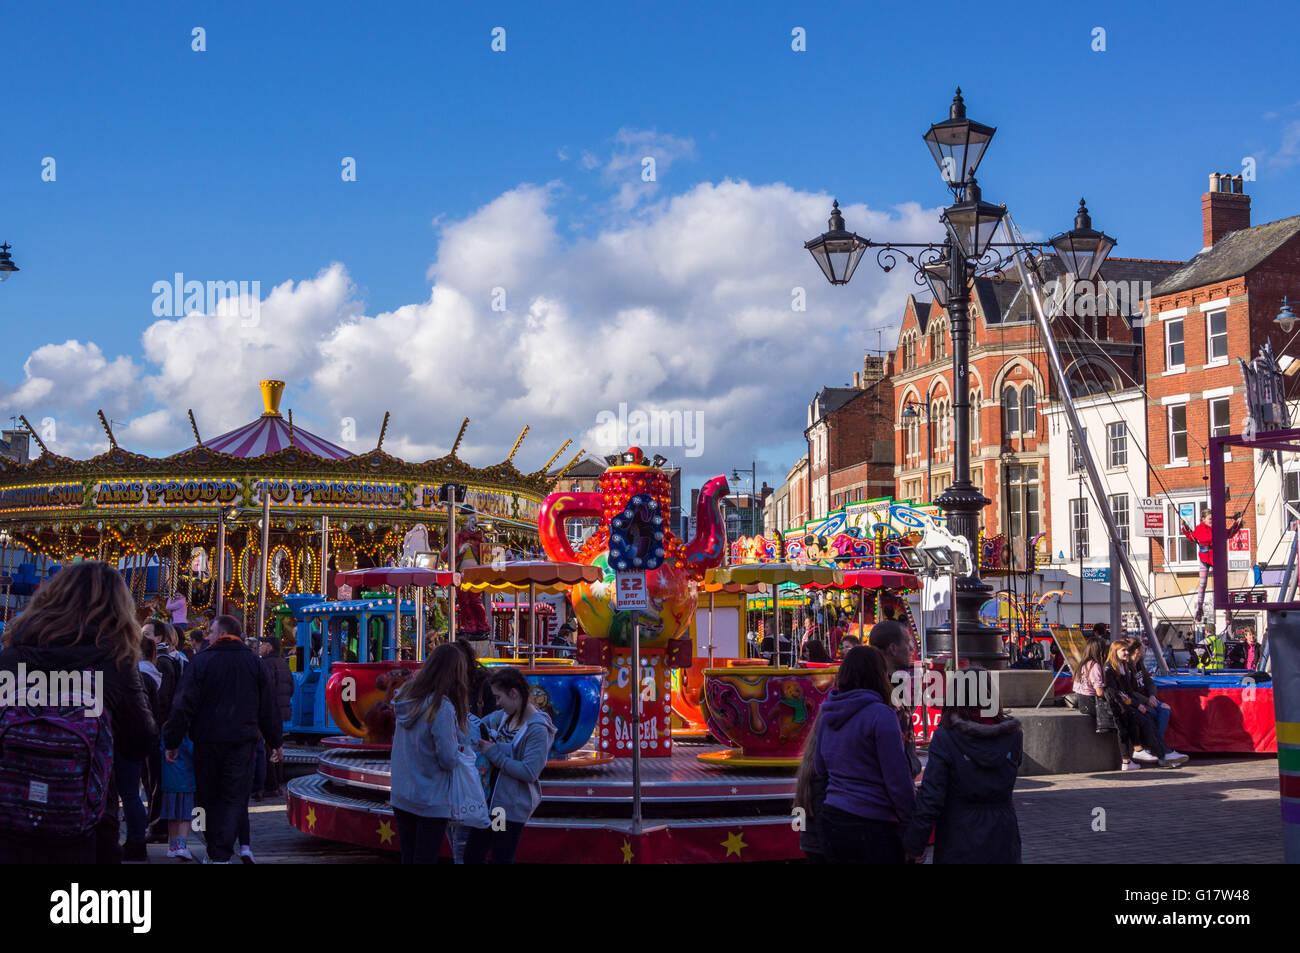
634,497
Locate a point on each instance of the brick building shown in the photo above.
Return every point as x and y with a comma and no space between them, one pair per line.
850,443
1099,336
1219,307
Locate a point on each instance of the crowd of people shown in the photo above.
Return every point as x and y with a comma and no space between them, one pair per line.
185,730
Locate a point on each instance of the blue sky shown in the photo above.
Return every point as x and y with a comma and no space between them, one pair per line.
225,165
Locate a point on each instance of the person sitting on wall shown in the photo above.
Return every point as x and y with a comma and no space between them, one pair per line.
1203,537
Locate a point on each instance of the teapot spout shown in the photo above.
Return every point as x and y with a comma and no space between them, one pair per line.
706,549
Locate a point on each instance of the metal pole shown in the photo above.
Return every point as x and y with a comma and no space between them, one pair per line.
324,556
1083,509
956,659
397,625
1072,417
452,591
516,633
419,623
266,557
532,624
1116,624
219,598
710,630
929,454
636,724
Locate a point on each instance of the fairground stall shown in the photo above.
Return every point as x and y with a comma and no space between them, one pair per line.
192,524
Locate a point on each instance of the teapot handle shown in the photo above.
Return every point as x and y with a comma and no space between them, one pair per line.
556,509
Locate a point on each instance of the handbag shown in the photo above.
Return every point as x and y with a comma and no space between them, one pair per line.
468,805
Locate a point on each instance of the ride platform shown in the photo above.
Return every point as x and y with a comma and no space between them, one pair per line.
692,813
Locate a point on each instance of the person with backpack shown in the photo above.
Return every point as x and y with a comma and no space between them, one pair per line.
58,794
224,699
517,739
965,796
431,730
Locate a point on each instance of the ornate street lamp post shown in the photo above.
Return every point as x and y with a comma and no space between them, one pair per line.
7,266
958,145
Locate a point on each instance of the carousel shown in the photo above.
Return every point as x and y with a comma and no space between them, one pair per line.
203,522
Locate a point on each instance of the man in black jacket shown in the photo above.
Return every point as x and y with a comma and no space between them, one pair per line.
225,697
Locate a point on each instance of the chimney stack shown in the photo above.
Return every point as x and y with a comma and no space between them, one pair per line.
1225,208
857,380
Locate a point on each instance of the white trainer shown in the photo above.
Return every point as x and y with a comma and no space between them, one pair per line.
1145,756
1130,766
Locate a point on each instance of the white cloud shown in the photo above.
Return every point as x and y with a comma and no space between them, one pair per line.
685,306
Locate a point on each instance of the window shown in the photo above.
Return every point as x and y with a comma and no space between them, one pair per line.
1219,424
1177,432
1117,445
1174,350
1079,528
1291,499
1010,412
1178,548
1119,512
912,489
1022,498
937,344
1028,411
975,403
1076,453
1217,323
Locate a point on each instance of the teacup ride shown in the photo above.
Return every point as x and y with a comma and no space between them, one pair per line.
765,713
569,693
688,683
874,582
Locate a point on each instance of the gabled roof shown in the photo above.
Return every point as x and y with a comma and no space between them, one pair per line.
831,399
1002,302
586,467
922,311
1231,256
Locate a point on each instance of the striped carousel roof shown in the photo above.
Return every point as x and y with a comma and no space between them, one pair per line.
271,433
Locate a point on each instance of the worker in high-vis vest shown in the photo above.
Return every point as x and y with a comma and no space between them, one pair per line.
1215,652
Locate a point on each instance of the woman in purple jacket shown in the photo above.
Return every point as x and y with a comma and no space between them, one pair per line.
868,783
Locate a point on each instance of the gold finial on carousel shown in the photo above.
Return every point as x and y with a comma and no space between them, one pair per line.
383,429
291,426
35,436
271,393
195,428
515,449
108,430
459,436
565,469
555,456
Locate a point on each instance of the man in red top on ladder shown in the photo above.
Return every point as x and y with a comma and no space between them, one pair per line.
1203,537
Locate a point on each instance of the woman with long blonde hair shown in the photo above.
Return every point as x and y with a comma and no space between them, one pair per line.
82,619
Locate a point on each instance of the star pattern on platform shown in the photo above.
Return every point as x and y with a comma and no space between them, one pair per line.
385,832
627,852
311,818
734,844
735,790
590,791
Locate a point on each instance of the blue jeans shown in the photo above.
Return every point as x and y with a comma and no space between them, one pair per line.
128,789
1162,722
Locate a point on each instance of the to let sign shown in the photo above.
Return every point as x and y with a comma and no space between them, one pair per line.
630,590
1153,517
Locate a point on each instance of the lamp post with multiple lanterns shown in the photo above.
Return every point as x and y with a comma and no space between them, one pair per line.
957,145
7,266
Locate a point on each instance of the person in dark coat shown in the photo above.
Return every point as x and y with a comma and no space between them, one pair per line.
1139,739
965,795
225,698
282,687
83,619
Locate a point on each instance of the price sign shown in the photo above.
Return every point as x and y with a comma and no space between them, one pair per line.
630,590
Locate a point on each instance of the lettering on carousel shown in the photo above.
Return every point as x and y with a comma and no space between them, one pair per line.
167,493
41,497
326,493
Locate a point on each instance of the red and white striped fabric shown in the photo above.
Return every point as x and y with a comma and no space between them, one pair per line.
270,434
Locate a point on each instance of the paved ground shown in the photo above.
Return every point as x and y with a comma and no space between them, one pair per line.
1211,811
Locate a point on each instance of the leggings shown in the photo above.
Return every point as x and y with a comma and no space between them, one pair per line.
420,837
501,844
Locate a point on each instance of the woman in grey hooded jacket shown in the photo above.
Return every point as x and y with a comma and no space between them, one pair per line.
519,740
430,731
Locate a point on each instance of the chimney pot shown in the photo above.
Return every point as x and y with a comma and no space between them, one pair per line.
1214,181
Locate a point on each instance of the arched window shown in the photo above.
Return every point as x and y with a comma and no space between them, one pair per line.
1089,379
975,403
1010,411
1028,410
938,344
